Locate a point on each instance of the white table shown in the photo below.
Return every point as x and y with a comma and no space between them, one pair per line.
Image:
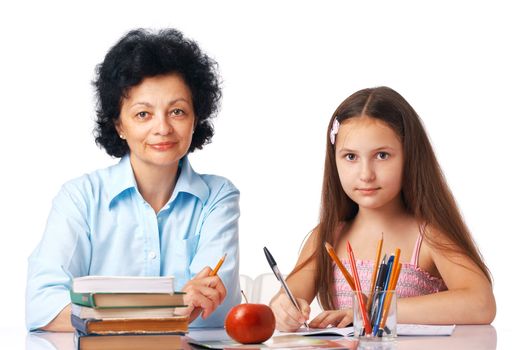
464,337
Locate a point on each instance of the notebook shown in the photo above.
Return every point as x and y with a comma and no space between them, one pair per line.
403,329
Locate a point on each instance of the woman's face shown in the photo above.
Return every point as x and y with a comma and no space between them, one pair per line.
156,120
369,159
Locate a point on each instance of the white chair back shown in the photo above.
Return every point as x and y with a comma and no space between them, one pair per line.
246,287
266,285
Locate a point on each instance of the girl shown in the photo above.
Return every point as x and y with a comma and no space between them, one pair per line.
381,177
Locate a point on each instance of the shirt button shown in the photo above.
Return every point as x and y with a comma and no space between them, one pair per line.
152,255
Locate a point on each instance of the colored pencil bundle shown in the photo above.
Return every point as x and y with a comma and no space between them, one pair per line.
374,311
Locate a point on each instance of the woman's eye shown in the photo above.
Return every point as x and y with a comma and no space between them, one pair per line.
383,155
351,156
142,115
177,112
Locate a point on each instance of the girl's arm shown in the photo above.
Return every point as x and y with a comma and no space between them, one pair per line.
302,286
468,300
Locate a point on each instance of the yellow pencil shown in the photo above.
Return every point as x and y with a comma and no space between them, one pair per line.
218,266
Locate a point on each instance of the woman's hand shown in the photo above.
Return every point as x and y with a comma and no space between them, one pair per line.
287,317
335,318
204,294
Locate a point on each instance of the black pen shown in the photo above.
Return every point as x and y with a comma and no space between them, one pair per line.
381,276
280,278
380,285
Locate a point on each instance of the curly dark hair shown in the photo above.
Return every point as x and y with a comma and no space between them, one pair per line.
140,54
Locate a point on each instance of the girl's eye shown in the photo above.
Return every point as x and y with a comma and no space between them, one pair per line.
351,156
383,155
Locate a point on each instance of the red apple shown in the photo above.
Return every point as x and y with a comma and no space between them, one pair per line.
250,323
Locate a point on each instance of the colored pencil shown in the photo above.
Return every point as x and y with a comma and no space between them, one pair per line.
339,264
391,289
218,266
359,291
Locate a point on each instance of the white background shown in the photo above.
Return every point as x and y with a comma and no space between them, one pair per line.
286,66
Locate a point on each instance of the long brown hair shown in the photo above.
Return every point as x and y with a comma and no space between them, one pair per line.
425,192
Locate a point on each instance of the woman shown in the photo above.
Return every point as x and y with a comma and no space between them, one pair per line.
150,214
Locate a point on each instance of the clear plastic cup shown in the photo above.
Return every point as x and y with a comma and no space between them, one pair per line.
382,316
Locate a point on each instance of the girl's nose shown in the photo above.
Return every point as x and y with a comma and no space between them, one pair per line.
367,173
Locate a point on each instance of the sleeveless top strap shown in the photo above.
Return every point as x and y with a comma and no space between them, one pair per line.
417,247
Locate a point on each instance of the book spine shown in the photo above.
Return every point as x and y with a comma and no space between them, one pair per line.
80,324
84,299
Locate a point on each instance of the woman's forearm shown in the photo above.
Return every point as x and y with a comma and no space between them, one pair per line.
61,323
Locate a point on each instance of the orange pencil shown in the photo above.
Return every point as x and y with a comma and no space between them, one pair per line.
218,266
374,274
396,261
359,291
339,264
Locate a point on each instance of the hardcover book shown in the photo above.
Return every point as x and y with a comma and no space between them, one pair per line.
129,342
173,325
127,300
135,312
123,284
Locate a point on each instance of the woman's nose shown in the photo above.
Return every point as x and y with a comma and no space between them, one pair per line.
163,127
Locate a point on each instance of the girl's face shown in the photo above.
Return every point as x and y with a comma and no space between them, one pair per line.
369,159
156,120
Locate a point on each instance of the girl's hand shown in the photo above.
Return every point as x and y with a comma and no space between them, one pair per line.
204,294
287,317
335,318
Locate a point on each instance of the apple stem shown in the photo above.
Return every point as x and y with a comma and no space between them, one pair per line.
244,295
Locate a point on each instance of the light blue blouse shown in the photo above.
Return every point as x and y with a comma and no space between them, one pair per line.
99,224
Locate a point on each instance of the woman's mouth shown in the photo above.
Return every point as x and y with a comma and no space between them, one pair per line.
162,146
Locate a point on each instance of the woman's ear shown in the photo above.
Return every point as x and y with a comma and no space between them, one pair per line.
195,123
118,128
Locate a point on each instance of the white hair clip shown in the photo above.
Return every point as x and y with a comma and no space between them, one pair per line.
334,131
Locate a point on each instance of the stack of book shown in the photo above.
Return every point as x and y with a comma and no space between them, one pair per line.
114,312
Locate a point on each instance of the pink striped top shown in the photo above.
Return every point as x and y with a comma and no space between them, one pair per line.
413,281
